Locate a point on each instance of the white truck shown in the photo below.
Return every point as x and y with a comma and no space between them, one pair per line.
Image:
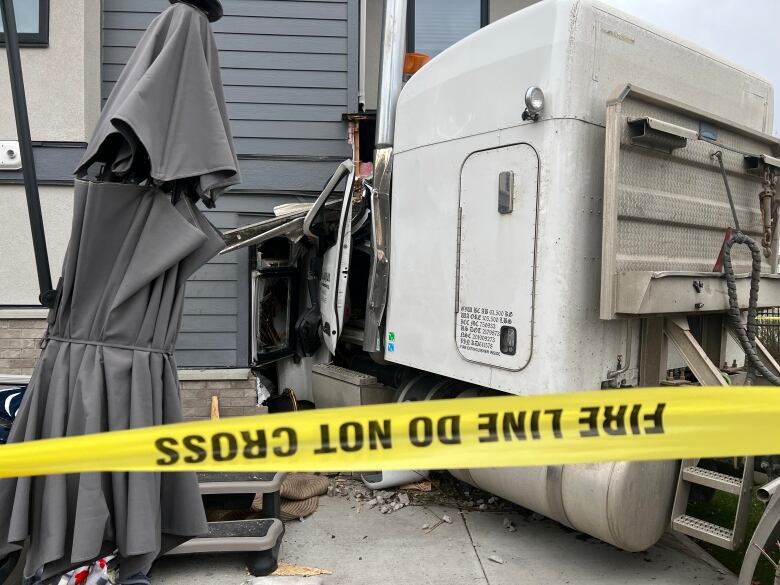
548,209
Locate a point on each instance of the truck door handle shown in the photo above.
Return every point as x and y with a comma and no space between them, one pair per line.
506,189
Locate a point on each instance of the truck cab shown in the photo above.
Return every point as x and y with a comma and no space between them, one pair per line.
546,211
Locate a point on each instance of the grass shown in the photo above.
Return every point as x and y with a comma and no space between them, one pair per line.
721,510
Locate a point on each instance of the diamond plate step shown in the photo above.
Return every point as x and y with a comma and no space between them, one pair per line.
713,479
707,531
235,536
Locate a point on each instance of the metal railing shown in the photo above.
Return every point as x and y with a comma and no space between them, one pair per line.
768,330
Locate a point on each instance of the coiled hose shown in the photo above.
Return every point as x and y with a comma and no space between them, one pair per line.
746,332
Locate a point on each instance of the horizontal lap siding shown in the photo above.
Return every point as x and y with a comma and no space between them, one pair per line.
288,81
285,68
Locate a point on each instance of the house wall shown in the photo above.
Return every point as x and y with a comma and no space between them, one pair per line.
62,80
62,83
235,390
18,277
20,338
497,9
290,72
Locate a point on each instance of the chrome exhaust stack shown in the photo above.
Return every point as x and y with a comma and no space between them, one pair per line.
390,83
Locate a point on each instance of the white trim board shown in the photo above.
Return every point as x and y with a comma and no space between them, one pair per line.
215,374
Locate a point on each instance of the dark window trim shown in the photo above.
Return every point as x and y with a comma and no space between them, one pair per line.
410,28
39,39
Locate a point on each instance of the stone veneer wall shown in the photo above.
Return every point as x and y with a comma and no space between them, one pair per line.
236,397
19,344
19,348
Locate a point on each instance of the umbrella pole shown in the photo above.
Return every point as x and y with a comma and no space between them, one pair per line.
47,293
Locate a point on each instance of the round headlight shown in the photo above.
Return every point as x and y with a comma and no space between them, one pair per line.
534,99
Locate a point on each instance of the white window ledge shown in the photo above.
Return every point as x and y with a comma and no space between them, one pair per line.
32,313
216,374
13,379
184,375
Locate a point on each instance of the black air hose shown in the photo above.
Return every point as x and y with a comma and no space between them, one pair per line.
746,332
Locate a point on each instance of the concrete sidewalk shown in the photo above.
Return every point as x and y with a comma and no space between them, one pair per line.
369,548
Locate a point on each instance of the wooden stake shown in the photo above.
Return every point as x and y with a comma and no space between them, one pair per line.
215,408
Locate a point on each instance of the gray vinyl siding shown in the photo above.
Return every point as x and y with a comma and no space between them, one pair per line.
289,68
54,163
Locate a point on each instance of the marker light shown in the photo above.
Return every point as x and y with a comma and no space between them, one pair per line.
413,62
534,103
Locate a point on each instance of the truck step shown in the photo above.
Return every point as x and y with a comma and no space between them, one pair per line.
235,536
719,481
691,473
240,483
707,531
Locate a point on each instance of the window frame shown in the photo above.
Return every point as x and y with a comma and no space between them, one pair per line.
38,39
484,20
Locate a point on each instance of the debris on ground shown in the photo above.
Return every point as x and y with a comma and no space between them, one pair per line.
423,486
288,570
446,519
509,525
385,501
496,559
439,490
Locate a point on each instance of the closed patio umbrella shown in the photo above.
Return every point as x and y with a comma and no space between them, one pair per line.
107,363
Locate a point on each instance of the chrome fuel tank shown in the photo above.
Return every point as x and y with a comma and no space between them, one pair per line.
627,504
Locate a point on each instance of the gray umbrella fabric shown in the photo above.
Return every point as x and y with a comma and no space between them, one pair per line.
108,365
169,101
107,360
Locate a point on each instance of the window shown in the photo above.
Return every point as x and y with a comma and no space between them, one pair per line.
434,25
32,23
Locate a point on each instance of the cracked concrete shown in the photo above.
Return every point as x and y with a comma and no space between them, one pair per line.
367,547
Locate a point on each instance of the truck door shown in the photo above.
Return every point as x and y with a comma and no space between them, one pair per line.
496,256
335,271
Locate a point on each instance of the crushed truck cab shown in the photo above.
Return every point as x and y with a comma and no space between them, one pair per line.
548,209
462,271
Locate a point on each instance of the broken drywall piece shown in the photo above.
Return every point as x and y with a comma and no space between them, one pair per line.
288,570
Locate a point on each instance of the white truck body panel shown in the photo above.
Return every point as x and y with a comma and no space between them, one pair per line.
469,99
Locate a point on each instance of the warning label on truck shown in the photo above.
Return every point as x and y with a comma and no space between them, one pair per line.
479,328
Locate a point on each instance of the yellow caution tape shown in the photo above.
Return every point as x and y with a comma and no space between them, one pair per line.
581,427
